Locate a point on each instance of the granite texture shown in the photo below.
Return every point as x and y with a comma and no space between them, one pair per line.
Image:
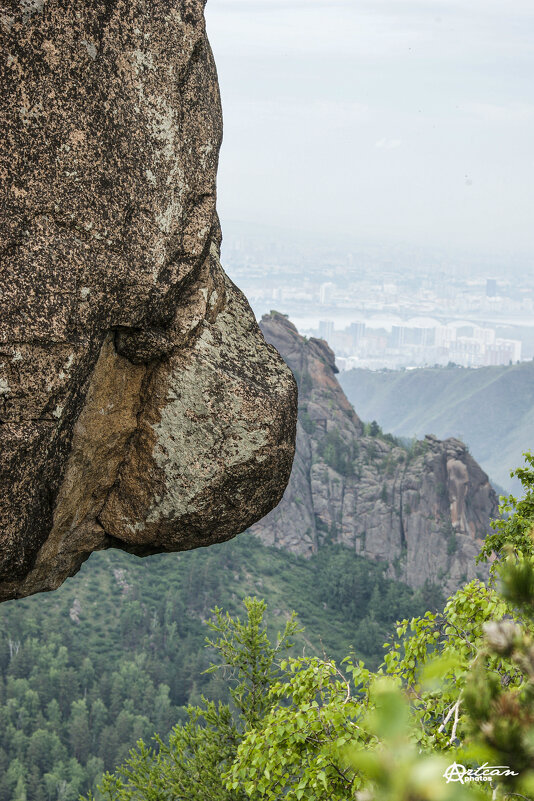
140,406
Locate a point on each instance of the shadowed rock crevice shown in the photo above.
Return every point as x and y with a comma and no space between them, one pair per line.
140,406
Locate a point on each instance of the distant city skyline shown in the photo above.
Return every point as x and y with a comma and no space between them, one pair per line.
385,120
376,310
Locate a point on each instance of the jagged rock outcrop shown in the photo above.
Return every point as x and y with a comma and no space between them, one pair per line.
424,510
140,406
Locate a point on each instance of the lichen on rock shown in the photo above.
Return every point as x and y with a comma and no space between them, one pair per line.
140,406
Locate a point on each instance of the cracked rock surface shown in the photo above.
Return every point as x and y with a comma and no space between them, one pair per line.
140,406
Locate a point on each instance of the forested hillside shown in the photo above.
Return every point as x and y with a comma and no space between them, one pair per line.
489,408
447,718
116,653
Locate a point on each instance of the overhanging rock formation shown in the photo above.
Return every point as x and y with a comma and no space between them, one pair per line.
140,406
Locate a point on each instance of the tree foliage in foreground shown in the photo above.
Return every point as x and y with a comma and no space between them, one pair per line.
513,529
117,653
454,688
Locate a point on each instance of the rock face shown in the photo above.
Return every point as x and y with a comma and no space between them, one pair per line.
140,406
491,406
424,510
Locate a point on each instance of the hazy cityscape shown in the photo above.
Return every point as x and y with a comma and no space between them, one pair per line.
387,307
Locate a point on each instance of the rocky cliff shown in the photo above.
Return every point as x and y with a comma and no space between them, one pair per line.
425,510
140,406
491,407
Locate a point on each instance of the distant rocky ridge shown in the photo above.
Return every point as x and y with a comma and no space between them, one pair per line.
424,510
489,408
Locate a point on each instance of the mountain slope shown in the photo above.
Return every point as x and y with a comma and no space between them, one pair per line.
490,408
117,651
424,510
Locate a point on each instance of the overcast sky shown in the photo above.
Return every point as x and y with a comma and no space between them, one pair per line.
389,120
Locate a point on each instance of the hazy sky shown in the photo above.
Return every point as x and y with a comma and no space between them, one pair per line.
391,120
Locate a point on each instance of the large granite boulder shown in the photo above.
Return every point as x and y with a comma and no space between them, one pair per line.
140,406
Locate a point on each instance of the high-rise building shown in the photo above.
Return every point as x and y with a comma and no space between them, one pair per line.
326,329
491,287
325,292
357,332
